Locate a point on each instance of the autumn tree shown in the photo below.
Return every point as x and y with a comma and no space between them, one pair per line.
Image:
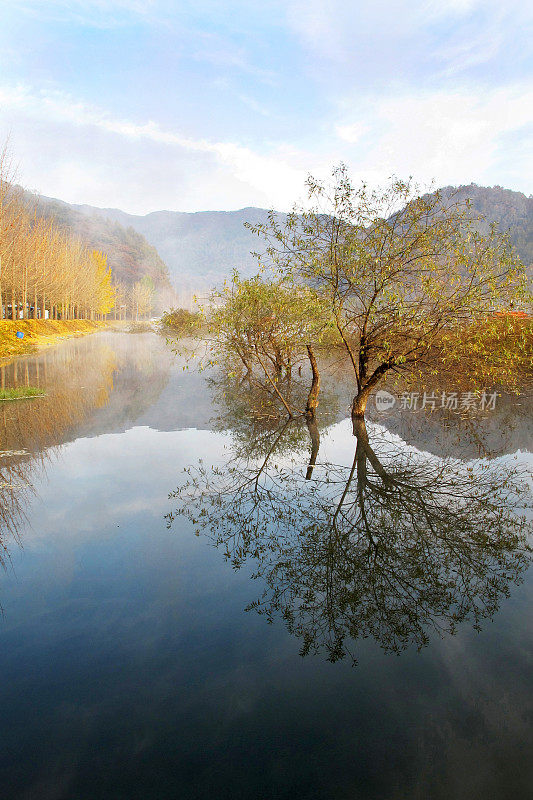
269,326
405,276
141,298
44,271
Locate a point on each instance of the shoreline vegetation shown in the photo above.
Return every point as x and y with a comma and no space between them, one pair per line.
21,393
39,333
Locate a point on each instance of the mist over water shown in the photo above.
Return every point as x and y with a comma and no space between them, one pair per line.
137,657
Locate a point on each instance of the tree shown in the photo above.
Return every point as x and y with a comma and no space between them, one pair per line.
270,326
103,278
44,271
404,276
182,322
141,297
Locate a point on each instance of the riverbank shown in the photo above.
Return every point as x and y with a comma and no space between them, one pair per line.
40,333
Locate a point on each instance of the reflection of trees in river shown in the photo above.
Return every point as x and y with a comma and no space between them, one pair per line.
503,430
76,380
394,545
252,414
95,383
142,373
30,429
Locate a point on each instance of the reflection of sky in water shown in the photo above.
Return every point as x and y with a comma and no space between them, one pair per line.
130,670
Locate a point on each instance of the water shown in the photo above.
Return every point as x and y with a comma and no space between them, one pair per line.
130,668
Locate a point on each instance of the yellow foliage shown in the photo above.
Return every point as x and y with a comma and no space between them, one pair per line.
39,333
105,289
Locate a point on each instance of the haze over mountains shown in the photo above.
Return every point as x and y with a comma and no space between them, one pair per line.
201,249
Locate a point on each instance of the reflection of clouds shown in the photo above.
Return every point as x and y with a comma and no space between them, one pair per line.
337,447
109,480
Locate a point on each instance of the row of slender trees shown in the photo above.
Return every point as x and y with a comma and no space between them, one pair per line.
46,273
133,302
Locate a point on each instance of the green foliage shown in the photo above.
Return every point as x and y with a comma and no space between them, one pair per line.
182,322
20,392
266,326
140,327
265,317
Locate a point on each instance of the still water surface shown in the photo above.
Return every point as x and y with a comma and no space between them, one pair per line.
130,667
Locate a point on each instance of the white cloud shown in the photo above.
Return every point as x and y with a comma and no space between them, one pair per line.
351,133
271,176
453,137
83,154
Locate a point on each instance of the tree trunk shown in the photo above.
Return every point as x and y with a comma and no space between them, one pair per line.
315,444
359,403
312,398
362,397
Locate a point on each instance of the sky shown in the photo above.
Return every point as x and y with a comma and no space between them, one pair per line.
222,104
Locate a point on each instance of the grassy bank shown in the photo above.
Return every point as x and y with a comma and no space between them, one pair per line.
40,333
21,392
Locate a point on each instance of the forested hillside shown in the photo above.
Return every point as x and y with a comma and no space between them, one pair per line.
512,211
130,257
203,248
199,248
45,271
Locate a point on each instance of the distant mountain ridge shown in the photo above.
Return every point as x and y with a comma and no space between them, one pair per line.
203,248
511,211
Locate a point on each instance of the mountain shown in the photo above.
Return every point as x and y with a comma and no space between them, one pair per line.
204,247
511,211
200,248
130,256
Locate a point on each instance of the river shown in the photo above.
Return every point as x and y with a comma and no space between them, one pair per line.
398,659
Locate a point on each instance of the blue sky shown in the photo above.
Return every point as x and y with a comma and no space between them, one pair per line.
218,105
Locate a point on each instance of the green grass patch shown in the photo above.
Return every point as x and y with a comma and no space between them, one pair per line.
20,393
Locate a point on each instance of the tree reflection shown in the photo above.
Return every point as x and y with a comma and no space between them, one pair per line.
394,545
87,383
253,414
